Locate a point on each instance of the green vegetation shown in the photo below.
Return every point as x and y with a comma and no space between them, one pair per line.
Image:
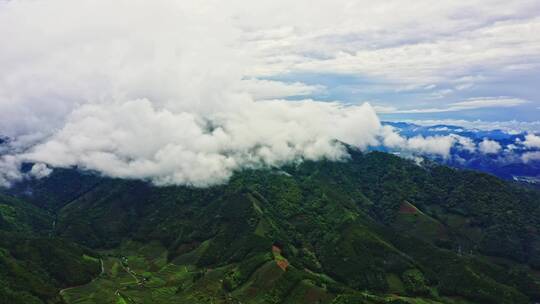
375,229
34,265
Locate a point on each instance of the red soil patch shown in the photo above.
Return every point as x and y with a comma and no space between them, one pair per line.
407,208
280,261
283,264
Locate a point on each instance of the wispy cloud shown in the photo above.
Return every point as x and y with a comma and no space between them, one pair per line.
511,126
470,104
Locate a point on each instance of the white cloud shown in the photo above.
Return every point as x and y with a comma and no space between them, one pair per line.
486,102
268,89
470,104
40,171
440,145
530,156
532,141
434,145
382,109
444,52
511,147
507,126
134,139
488,146
155,91
466,143
9,170
171,91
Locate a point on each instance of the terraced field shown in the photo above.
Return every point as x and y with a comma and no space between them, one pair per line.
133,274
136,274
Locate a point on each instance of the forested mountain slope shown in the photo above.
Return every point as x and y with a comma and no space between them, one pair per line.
374,229
34,264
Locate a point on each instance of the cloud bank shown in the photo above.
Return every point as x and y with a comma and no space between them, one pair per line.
185,92
114,89
133,139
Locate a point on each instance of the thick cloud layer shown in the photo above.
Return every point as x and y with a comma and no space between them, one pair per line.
180,92
155,92
134,139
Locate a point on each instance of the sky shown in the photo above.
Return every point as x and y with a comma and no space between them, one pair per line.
187,92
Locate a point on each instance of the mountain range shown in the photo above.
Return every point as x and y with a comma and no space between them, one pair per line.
506,161
376,228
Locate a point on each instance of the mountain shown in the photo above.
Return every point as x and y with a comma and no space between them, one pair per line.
410,130
374,229
507,163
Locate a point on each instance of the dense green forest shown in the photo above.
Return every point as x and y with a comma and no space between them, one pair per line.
34,264
374,229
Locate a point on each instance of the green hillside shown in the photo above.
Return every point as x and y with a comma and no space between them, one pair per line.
34,264
374,229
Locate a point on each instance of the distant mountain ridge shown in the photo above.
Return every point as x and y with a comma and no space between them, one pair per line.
507,163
